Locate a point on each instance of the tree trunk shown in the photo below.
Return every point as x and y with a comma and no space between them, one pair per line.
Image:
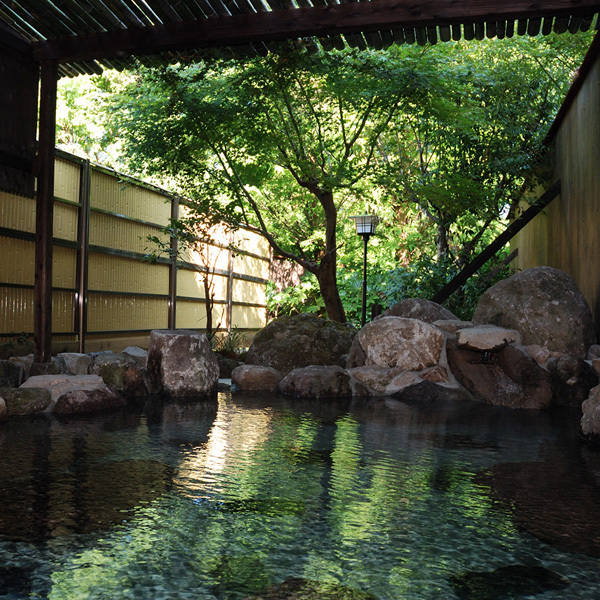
441,239
327,270
326,276
208,305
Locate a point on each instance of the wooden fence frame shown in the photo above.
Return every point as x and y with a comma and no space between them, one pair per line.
84,248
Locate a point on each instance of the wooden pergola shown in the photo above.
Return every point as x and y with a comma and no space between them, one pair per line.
43,40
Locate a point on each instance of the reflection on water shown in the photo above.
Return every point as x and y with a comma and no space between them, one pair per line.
289,500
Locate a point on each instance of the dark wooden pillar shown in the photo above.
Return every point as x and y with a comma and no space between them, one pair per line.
42,323
83,230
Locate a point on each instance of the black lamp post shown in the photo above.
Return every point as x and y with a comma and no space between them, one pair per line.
365,227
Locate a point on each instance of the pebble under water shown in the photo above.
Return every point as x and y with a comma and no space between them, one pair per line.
271,498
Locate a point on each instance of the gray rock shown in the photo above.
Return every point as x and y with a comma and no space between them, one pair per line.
409,344
545,306
121,373
486,338
226,365
572,380
419,308
138,354
356,356
254,378
593,352
25,362
3,413
24,401
590,421
79,402
76,363
374,378
11,374
452,325
428,391
292,342
505,378
58,385
57,366
317,381
181,363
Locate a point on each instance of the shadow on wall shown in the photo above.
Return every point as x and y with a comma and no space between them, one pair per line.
285,273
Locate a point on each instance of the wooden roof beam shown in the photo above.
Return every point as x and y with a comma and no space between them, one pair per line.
302,22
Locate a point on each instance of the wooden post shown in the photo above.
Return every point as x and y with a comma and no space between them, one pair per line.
172,318
485,255
83,230
229,315
42,324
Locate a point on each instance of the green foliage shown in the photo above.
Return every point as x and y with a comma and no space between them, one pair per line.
422,278
231,344
442,142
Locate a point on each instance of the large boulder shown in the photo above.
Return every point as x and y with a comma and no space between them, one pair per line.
545,306
79,402
317,381
58,385
181,363
25,401
507,377
419,308
300,341
254,378
409,344
121,373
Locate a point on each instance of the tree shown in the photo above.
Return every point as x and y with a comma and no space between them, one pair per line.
444,140
470,150
286,139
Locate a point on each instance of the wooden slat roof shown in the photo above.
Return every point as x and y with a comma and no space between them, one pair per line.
86,36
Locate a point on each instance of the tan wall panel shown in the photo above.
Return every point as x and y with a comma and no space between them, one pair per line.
205,255
123,313
124,198
63,312
189,283
64,267
16,310
17,212
65,221
66,179
248,291
246,317
251,242
248,265
117,274
192,315
566,236
112,232
16,261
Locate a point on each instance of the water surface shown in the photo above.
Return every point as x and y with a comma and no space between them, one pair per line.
271,498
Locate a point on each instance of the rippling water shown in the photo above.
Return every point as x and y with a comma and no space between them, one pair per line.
277,499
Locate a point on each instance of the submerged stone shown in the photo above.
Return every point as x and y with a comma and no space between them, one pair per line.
15,582
511,581
555,500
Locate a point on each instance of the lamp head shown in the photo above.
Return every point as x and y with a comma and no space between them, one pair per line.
365,224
